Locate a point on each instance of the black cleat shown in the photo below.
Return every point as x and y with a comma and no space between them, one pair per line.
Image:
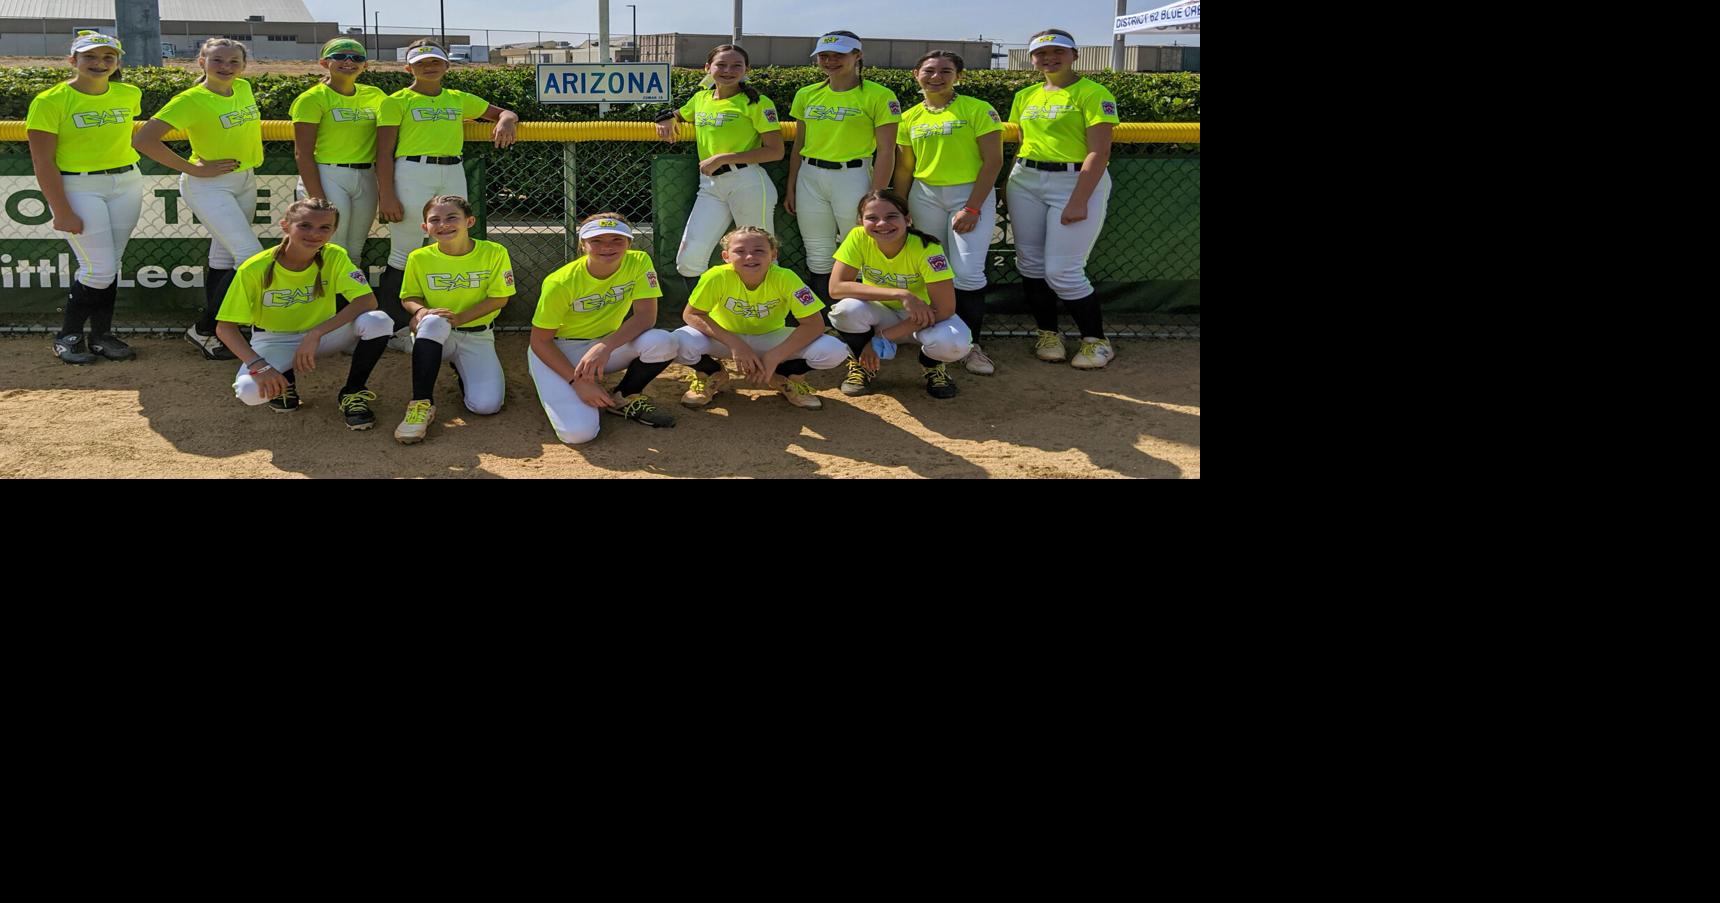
70,348
110,347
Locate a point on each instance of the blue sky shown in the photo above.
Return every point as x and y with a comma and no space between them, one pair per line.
1009,21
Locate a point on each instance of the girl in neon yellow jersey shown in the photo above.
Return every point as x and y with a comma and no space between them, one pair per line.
334,142
80,143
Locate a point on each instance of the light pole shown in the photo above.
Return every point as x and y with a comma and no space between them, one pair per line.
442,9
635,8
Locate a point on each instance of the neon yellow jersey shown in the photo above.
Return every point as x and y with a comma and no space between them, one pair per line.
913,267
842,125
459,283
578,306
94,130
1054,121
753,311
946,145
221,128
346,126
728,126
287,304
431,125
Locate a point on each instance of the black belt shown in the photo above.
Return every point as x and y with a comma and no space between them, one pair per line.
826,164
1051,167
361,165
100,172
442,160
726,167
473,328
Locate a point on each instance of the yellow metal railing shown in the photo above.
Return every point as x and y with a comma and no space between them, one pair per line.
282,130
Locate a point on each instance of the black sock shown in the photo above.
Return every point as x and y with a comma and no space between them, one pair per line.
708,365
101,308
639,375
364,359
970,306
1086,314
1041,301
292,378
928,362
793,368
426,361
856,340
78,304
820,285
215,283
388,297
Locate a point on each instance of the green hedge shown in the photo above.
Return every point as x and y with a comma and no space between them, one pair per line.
1141,96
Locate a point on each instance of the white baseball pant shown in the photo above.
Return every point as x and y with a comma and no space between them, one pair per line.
415,184
933,207
227,207
574,420
745,196
353,193
948,341
827,205
278,349
109,205
1044,247
825,352
474,357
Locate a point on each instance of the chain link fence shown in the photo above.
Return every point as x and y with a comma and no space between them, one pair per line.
1146,266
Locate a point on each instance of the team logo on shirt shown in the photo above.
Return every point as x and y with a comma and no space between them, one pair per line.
616,295
287,297
1051,111
833,114
804,296
927,129
1108,108
894,280
433,114
993,115
447,282
239,117
351,114
98,118
895,108
752,311
651,278
938,263
714,120
508,277
358,277
769,114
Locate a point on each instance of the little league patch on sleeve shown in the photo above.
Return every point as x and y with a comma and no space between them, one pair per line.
994,116
358,277
769,115
508,277
803,295
651,278
895,108
1109,108
938,262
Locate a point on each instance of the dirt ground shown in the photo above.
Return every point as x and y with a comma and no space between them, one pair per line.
172,414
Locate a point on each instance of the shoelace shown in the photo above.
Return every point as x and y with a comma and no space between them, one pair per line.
697,384
288,395
799,388
1047,339
638,406
418,412
357,401
937,375
856,373
1091,348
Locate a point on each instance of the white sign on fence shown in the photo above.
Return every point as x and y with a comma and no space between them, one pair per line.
603,83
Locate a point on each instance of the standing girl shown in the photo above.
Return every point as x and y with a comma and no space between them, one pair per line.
1057,194
950,150
897,285
418,142
454,290
595,316
740,311
334,142
286,294
80,143
736,132
219,183
843,121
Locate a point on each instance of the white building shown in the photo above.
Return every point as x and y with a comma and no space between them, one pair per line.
272,29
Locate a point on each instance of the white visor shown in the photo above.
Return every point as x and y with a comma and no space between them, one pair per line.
1049,40
605,227
426,52
835,43
90,41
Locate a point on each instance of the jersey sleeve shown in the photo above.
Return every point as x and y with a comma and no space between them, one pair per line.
413,284
849,251
473,106
764,118
935,265
391,113
307,107
237,306
45,115
704,296
553,302
1099,106
501,282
